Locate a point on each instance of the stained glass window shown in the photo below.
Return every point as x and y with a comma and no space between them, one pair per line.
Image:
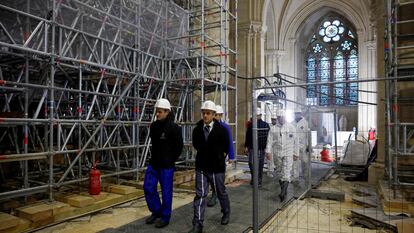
332,55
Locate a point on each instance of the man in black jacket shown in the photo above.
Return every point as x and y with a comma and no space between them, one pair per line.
262,134
167,144
210,139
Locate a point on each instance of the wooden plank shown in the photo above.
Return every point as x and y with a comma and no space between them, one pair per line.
8,221
121,189
23,225
35,212
76,200
405,226
369,201
59,207
98,197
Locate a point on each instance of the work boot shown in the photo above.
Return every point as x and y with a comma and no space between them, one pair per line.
283,190
196,229
161,224
151,219
213,200
225,219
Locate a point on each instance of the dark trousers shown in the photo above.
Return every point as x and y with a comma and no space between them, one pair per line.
202,185
166,179
261,155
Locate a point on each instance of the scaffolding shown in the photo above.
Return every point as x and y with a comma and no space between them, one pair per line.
399,58
79,79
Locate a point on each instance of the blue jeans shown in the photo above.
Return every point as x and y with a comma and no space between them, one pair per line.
166,179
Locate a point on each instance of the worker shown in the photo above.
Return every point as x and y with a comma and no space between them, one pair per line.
325,154
262,133
301,163
211,142
219,117
270,161
284,147
167,144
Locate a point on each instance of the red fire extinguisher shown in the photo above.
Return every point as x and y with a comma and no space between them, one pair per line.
94,181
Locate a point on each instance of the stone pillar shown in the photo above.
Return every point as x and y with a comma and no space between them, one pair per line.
250,65
376,170
367,114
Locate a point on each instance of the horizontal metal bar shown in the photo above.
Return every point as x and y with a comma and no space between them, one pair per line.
23,192
405,3
406,47
405,21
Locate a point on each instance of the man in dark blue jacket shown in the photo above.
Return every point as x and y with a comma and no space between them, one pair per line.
219,115
211,142
262,133
167,144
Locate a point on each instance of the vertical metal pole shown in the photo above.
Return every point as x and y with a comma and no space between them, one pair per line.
310,149
395,91
202,44
26,126
388,134
235,77
255,162
335,137
52,102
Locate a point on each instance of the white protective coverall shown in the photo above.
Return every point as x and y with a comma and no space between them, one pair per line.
282,144
301,133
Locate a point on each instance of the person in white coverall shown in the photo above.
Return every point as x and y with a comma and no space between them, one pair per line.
270,161
300,165
283,146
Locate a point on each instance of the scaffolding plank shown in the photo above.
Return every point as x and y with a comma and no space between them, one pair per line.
121,189
8,221
22,226
36,212
76,200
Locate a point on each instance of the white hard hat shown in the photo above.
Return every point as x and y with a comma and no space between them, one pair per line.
327,146
219,109
163,103
258,111
208,105
280,112
297,109
273,116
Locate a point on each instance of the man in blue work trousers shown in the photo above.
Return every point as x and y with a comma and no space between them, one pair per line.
210,139
219,117
167,144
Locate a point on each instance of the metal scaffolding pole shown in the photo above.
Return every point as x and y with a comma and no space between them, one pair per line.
88,74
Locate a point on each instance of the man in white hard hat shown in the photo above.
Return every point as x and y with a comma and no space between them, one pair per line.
167,144
301,163
210,139
282,145
262,133
219,117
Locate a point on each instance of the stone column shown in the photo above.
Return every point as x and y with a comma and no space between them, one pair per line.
367,114
250,63
377,170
